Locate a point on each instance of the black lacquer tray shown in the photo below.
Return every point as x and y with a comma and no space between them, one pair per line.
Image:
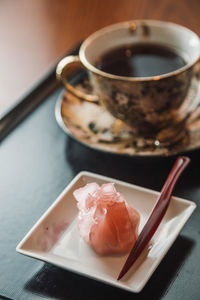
37,161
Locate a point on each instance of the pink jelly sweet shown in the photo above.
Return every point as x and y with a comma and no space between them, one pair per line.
106,221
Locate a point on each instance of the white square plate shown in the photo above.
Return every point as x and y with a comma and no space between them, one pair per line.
55,239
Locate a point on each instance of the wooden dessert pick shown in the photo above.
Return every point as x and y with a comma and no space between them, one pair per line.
156,215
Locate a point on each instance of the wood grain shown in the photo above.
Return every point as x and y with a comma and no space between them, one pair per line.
34,34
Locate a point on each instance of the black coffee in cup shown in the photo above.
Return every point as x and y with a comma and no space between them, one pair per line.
140,60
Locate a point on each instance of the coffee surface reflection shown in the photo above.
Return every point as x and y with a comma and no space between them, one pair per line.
140,60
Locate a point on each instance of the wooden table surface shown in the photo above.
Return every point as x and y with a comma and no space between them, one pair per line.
34,34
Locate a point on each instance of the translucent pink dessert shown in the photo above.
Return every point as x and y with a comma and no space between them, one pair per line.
106,221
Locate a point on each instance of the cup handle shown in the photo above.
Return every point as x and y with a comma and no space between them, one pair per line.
68,66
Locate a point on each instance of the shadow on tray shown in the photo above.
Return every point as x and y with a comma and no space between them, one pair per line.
147,172
57,283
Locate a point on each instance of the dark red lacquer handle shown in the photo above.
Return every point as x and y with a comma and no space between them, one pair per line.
157,214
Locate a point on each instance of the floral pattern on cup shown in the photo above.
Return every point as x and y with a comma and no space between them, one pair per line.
147,106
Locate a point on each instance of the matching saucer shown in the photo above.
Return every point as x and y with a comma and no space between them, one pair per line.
95,127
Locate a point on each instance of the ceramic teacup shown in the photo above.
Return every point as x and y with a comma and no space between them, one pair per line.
154,107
